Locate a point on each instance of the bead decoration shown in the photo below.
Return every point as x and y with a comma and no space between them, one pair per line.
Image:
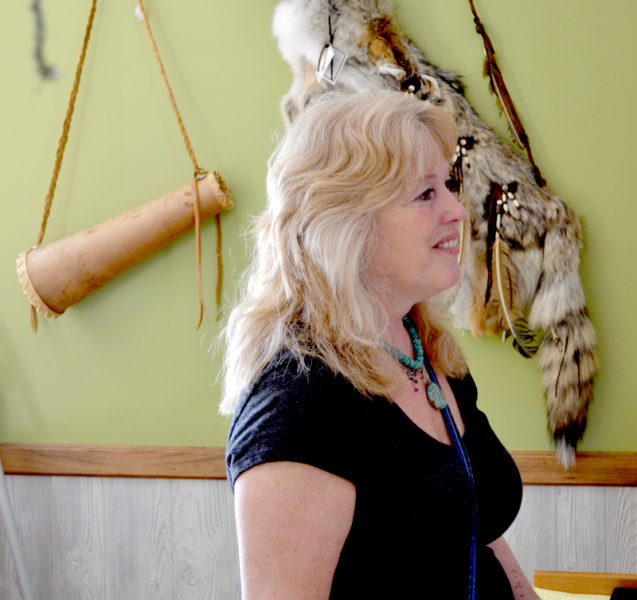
414,367
435,396
414,377
460,164
462,151
416,363
506,201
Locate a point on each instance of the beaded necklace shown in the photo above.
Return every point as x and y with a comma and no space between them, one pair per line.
414,368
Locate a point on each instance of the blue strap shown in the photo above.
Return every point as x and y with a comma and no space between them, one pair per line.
454,434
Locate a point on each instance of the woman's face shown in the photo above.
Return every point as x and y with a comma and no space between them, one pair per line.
417,247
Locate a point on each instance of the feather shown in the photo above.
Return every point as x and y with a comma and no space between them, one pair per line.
463,224
525,340
498,87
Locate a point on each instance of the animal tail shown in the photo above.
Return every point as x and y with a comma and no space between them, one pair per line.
567,353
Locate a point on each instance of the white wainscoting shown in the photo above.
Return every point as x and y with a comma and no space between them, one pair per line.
108,538
122,539
576,528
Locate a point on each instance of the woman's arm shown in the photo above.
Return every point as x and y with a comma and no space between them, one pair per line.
292,522
522,589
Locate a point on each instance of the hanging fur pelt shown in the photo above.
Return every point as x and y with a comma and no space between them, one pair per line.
521,257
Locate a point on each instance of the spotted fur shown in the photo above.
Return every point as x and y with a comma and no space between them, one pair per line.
540,236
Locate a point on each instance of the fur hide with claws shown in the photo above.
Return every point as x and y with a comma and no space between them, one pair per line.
520,274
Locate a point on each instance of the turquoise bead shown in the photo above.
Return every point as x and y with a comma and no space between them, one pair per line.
416,363
435,396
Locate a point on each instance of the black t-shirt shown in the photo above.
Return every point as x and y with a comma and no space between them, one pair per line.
411,529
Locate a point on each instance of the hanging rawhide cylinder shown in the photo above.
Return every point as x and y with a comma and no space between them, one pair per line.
57,275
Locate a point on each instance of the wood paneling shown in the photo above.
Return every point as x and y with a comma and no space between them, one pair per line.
576,528
621,527
537,468
122,539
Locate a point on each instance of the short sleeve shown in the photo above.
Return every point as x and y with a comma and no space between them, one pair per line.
296,416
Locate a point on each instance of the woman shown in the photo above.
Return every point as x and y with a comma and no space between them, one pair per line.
347,481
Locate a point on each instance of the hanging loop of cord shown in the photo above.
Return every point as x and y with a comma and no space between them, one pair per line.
48,202
66,127
171,96
199,173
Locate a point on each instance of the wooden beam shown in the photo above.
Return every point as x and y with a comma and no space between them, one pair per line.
592,468
536,468
113,461
583,583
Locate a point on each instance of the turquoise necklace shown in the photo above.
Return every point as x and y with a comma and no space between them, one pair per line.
414,370
414,367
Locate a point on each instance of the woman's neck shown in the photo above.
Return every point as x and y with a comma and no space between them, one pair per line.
397,336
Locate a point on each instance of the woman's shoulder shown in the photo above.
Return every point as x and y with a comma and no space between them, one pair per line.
295,410
290,378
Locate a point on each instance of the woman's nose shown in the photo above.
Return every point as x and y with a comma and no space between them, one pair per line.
454,209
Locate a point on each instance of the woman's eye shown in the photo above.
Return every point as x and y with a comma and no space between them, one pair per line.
426,195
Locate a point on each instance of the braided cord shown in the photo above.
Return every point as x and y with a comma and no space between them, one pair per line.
64,137
199,173
171,96
48,201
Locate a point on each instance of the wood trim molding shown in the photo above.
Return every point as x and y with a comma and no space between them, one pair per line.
592,468
537,468
114,461
583,583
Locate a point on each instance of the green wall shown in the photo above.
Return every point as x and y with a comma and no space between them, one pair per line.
126,365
